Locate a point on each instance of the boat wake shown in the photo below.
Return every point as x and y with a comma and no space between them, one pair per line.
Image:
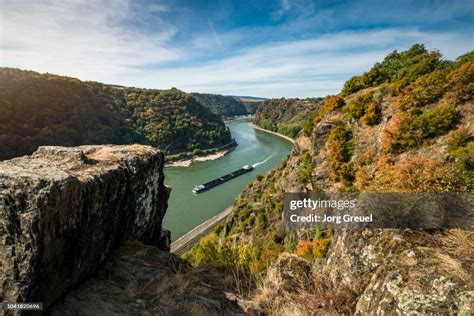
263,161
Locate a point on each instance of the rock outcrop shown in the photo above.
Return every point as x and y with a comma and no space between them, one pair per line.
63,210
377,272
274,113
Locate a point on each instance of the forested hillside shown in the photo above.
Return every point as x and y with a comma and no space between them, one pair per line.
285,116
221,105
44,109
174,120
403,126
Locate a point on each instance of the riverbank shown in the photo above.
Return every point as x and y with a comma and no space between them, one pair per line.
188,240
186,159
272,132
188,162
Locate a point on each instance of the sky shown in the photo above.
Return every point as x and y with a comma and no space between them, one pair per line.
287,48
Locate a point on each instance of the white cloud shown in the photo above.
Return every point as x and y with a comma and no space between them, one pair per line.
91,40
314,67
104,41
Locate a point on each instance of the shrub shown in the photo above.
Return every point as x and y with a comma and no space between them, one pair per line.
259,177
218,229
462,149
207,250
416,174
261,222
340,149
364,107
251,220
461,60
411,129
289,129
399,69
425,90
352,85
439,120
267,124
371,115
356,108
318,233
457,140
332,102
244,225
311,250
306,168
244,212
383,89
278,207
308,126
462,83
264,256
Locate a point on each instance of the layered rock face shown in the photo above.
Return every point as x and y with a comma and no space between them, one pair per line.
63,210
377,272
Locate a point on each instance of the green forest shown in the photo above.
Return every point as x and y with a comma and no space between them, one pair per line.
45,109
224,106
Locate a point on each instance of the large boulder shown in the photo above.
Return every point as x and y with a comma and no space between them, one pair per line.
63,210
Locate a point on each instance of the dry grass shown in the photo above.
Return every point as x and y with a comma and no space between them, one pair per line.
322,298
197,291
452,266
448,254
458,257
268,290
460,243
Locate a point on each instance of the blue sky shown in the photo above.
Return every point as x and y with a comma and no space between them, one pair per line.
287,48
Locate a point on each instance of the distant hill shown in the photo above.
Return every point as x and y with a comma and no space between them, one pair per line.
248,98
286,116
251,103
44,109
224,106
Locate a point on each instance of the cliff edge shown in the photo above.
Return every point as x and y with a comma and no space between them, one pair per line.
63,210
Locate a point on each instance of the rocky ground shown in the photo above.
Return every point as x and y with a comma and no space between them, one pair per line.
142,280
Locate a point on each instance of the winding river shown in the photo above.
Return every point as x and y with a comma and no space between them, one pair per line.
186,210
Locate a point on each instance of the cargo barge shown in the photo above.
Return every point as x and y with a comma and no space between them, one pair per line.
208,185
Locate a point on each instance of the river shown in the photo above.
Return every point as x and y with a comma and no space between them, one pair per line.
186,210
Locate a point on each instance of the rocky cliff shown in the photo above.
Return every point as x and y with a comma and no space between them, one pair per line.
285,116
413,133
63,210
221,105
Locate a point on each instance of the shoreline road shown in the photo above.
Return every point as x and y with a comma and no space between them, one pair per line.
185,242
